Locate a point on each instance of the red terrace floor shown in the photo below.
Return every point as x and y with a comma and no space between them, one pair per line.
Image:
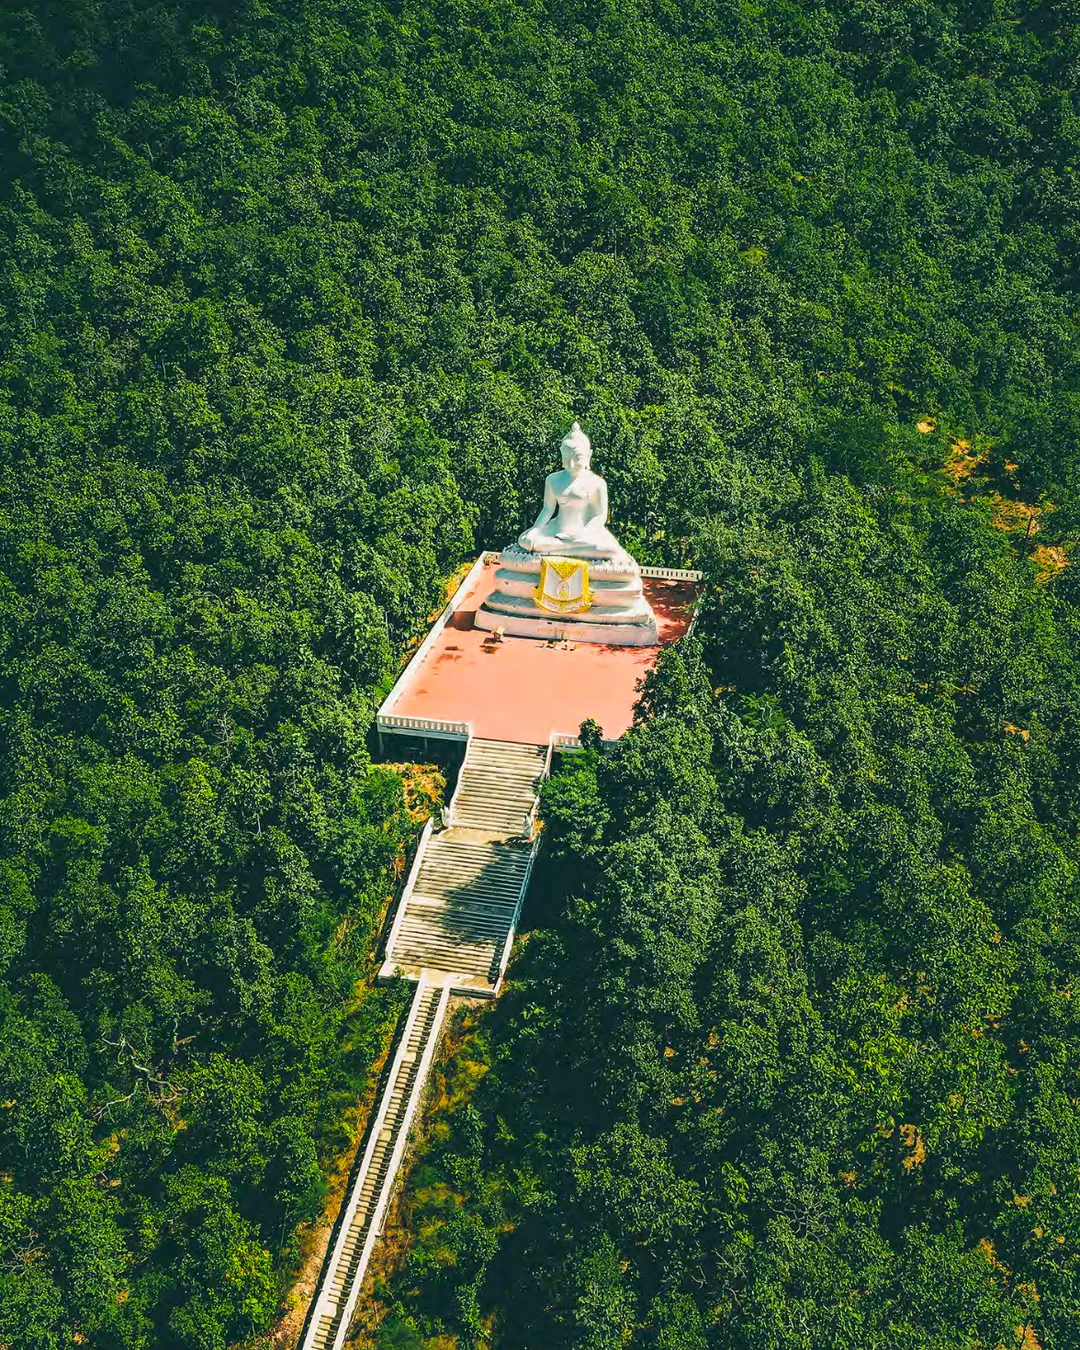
523,689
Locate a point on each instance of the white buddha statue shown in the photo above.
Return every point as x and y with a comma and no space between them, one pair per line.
567,576
573,521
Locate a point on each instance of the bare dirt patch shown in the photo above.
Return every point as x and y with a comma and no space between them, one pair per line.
425,786
1049,560
1013,515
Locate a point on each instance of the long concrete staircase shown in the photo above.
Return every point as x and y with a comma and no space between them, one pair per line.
461,904
464,904
452,933
497,786
361,1220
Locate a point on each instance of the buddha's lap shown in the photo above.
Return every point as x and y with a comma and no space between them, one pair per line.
582,546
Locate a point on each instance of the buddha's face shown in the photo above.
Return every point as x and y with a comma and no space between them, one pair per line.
576,459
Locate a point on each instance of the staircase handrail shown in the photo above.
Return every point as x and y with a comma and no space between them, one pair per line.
438,727
534,810
410,883
448,809
382,1200
508,942
345,1220
511,932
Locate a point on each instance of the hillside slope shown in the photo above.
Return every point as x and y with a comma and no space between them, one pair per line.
295,302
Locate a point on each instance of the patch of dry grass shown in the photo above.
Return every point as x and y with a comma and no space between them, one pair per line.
965,468
1049,560
424,784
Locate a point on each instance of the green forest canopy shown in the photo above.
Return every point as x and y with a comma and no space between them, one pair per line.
295,301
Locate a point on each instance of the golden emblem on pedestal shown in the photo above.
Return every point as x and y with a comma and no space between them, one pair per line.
564,586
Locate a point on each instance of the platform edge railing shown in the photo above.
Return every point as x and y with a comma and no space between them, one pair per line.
449,609
672,573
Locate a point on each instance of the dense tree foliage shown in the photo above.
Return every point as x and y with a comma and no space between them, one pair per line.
791,1057
294,301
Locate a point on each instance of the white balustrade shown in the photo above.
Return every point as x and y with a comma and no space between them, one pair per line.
672,573
425,726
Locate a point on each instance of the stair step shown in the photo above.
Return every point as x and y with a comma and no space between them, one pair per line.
431,956
481,902
430,960
500,774
449,942
487,795
492,805
468,943
436,910
513,857
449,879
434,942
449,862
484,816
479,848
488,810
490,746
434,921
524,783
493,768
448,886
459,935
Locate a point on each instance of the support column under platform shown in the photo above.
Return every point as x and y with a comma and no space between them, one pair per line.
618,616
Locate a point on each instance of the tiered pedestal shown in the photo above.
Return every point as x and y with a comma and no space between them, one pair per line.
619,616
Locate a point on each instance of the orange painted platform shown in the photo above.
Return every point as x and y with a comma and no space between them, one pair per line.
523,689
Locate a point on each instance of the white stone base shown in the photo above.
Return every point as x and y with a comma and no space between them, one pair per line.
619,616
564,626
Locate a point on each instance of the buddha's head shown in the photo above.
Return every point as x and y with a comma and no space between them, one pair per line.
576,450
